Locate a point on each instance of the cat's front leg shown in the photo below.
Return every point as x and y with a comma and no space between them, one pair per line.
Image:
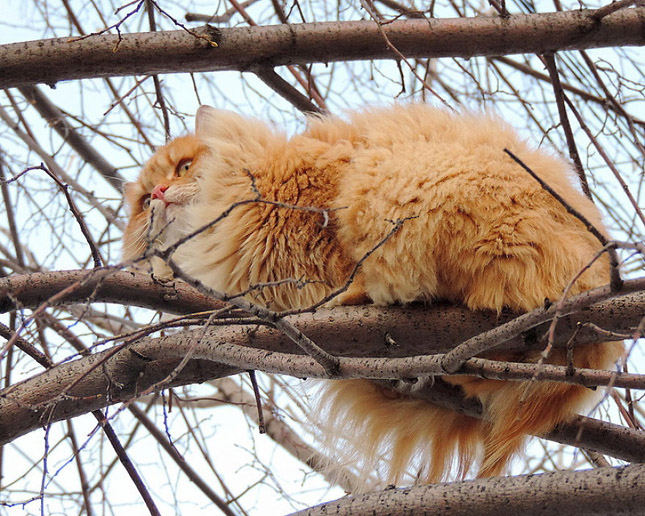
354,295
158,225
161,272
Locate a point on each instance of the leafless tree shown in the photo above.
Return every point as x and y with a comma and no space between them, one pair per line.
106,407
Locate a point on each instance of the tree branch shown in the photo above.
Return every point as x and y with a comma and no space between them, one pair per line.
56,118
602,491
242,48
77,387
389,332
128,288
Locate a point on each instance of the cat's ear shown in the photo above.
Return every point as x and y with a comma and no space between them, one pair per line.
205,117
217,122
219,125
131,192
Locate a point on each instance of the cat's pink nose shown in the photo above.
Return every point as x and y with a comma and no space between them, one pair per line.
158,192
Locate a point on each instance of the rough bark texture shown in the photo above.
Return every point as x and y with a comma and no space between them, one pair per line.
615,491
245,48
116,375
410,330
31,290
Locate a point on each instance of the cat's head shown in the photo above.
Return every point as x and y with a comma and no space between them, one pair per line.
223,146
166,185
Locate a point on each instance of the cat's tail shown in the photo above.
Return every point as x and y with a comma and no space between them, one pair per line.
534,407
388,438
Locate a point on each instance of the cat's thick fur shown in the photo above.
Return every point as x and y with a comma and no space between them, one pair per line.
478,230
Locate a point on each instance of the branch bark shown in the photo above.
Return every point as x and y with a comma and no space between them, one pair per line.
602,491
91,382
414,329
128,288
243,48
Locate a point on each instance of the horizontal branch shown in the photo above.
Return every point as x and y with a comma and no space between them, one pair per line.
74,388
246,48
79,386
396,331
127,288
602,491
90,383
592,434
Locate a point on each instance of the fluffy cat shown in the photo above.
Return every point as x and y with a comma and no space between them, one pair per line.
478,231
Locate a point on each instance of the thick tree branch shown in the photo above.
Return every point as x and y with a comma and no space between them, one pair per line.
243,48
76,387
492,339
410,330
95,381
129,288
602,491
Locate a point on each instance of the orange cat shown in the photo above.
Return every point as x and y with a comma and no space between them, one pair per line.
480,232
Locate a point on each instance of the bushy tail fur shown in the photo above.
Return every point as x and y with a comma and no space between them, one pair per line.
392,439
411,441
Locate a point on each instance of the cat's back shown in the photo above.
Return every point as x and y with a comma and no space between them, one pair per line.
470,211
431,150
412,124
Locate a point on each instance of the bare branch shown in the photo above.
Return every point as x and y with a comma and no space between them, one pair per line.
133,369
180,461
50,112
240,48
604,491
135,289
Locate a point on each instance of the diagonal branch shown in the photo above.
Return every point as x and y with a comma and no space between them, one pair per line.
56,118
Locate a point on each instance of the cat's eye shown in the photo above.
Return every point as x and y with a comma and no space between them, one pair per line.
145,201
183,167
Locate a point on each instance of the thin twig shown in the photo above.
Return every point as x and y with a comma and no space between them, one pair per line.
126,462
96,256
308,85
549,60
615,279
402,57
135,123
87,503
608,161
608,9
258,401
217,18
56,118
179,460
326,360
11,219
332,295
155,78
455,358
25,346
613,103
91,198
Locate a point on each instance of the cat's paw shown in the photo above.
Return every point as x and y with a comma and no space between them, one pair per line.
354,295
161,273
